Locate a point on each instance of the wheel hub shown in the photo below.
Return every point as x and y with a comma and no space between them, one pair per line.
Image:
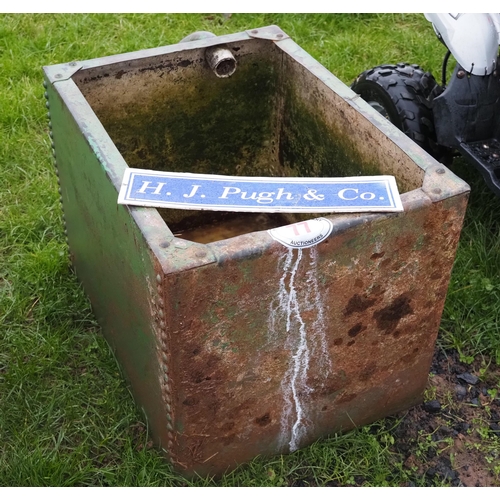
378,107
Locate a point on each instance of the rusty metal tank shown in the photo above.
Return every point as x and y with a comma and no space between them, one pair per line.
233,344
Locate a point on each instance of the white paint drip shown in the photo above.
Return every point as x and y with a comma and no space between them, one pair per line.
302,339
276,310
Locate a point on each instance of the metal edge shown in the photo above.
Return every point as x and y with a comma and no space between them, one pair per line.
417,154
421,158
163,354
449,183
156,231
250,245
271,32
92,129
61,72
147,53
441,183
315,67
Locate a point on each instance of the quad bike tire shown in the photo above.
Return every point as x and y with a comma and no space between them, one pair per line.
403,94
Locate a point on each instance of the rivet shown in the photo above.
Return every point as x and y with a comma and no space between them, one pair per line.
162,325
170,443
54,153
164,244
164,357
58,75
170,436
486,146
201,253
60,199
168,407
460,73
50,123
60,190
158,278
51,134
161,313
440,171
254,32
169,426
72,63
169,418
46,95
53,146
279,35
159,289
436,191
165,378
160,301
45,84
495,155
48,116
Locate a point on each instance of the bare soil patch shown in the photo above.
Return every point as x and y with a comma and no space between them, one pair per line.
454,436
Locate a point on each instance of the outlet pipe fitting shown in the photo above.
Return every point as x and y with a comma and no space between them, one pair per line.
220,59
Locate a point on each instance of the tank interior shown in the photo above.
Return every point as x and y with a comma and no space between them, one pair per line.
272,117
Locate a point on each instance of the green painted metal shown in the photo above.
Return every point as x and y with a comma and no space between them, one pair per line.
243,347
109,252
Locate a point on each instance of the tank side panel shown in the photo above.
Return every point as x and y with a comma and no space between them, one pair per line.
353,139
172,113
112,260
277,347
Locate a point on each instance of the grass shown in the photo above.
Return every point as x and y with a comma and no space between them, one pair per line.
470,320
67,417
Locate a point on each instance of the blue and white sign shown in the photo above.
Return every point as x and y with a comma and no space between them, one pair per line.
150,188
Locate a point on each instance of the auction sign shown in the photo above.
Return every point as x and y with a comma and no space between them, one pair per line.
150,188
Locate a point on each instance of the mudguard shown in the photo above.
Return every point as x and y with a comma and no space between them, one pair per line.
473,39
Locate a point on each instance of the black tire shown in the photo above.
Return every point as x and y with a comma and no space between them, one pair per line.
403,93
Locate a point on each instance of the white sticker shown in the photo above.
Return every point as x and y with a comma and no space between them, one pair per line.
303,234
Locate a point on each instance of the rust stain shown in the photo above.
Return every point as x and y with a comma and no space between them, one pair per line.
264,420
358,304
356,329
388,317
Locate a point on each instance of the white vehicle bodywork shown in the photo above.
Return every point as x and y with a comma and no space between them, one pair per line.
473,39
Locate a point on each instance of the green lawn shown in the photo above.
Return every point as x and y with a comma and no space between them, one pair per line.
67,417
